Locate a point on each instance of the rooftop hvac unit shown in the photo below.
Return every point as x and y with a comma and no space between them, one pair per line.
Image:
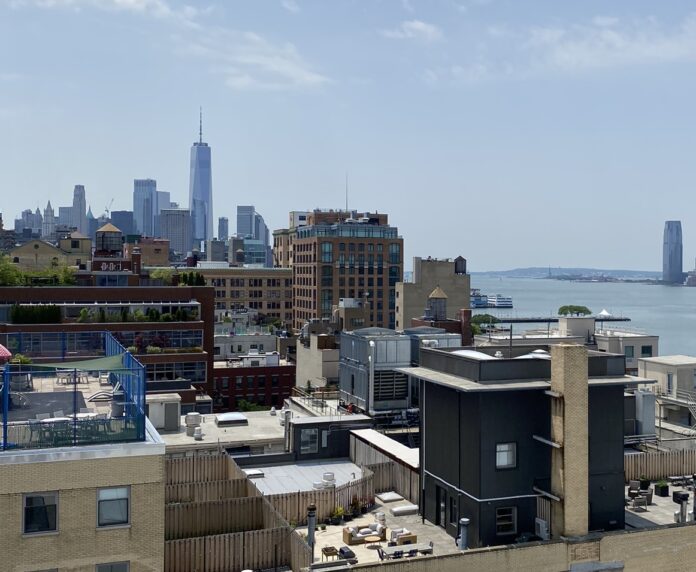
541,528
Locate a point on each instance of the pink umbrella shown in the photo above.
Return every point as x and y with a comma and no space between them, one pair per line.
5,354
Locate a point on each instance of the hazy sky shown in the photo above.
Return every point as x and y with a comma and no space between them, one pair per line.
513,133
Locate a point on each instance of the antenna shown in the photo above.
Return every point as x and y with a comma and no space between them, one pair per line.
200,125
346,191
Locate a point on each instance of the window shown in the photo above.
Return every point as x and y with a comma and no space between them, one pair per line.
506,520
40,512
670,382
454,516
628,352
309,441
113,506
113,567
645,351
506,455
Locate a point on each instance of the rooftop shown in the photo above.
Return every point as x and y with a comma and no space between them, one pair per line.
675,360
389,446
281,479
263,429
464,384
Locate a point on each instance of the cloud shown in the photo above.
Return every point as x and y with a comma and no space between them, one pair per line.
603,42
414,30
290,6
248,61
245,60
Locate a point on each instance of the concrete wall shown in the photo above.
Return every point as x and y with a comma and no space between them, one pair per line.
412,297
79,544
316,365
655,550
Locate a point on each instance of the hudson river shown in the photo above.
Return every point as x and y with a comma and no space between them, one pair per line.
669,312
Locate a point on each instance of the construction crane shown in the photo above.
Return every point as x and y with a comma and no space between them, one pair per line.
107,209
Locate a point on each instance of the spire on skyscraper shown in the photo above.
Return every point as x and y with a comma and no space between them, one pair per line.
200,125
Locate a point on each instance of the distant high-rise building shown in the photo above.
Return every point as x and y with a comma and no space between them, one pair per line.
163,201
245,220
30,223
201,189
250,224
144,206
223,228
672,253
48,229
65,217
79,210
123,220
175,224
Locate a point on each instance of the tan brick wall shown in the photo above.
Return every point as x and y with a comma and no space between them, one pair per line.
79,544
666,549
569,469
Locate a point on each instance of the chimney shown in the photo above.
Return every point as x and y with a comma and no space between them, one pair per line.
136,260
465,319
569,462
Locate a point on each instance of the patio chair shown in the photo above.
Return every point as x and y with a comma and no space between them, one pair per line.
40,416
633,487
413,552
34,429
380,552
398,554
58,413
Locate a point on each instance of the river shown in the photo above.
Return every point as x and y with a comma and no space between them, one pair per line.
667,311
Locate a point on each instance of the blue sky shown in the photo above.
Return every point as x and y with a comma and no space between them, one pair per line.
513,133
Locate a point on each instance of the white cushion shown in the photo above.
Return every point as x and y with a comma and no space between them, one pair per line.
353,530
404,509
365,531
390,496
378,529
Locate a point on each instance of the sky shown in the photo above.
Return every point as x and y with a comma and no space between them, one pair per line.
511,133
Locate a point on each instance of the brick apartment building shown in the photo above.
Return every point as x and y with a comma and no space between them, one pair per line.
342,254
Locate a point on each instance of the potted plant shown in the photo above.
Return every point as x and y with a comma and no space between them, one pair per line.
337,515
322,526
644,483
662,488
355,507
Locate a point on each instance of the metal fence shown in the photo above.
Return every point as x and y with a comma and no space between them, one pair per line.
74,403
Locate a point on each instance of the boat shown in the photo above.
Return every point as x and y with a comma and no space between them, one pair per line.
499,301
478,300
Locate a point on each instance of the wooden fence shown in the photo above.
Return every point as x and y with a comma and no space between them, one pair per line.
251,550
660,465
209,491
293,506
391,474
216,520
201,469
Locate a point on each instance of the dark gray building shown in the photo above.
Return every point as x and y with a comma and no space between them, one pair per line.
672,271
486,441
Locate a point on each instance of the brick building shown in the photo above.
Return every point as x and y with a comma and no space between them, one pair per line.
261,379
343,254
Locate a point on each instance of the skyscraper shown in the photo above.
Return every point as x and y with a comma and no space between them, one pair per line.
123,220
79,210
144,206
250,224
672,253
49,222
175,225
201,189
223,228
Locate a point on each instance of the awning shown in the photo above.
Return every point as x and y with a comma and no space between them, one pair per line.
5,354
108,363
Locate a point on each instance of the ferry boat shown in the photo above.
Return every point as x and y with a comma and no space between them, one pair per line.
499,301
478,300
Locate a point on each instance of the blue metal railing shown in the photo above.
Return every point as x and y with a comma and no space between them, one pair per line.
59,417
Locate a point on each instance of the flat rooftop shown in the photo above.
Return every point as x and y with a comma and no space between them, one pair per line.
675,360
389,446
464,384
262,429
659,513
279,479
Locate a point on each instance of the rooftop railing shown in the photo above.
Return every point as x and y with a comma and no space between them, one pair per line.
74,403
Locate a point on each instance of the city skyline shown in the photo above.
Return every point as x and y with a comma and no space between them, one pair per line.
549,114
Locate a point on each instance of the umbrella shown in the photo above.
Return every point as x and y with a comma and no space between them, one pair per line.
5,354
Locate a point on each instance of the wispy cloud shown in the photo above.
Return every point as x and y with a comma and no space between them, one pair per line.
604,42
290,6
414,30
244,59
249,61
